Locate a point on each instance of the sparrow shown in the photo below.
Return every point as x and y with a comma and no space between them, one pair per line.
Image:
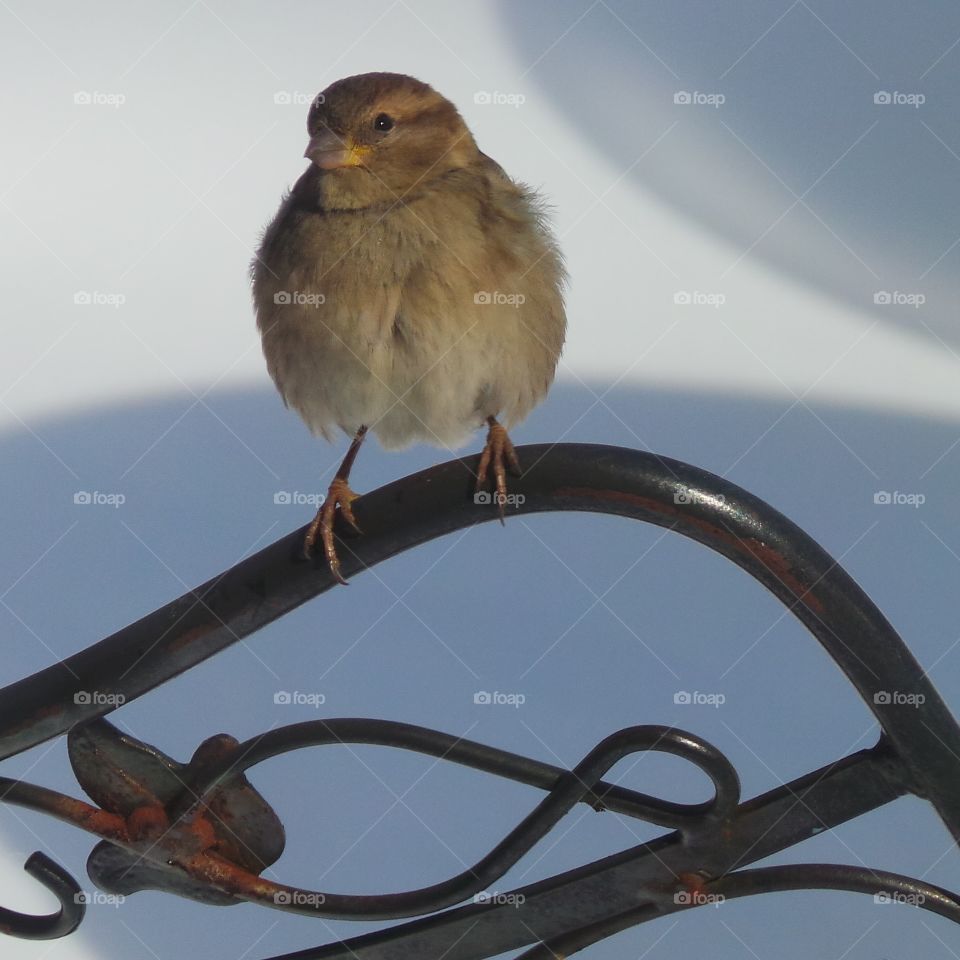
407,286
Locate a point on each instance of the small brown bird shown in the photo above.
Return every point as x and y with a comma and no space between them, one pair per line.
406,285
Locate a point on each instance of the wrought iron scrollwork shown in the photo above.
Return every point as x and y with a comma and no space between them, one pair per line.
200,830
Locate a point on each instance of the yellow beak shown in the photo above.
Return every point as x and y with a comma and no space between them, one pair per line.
331,152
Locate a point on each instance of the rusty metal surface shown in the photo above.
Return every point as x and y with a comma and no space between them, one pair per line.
200,830
139,783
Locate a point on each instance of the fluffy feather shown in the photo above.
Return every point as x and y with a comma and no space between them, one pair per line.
415,289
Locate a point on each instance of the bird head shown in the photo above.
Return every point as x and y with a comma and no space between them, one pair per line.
376,137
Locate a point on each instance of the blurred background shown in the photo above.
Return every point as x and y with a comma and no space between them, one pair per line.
759,208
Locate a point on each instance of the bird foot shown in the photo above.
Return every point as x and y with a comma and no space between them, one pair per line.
338,495
499,454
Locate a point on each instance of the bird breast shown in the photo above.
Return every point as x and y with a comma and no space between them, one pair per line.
415,320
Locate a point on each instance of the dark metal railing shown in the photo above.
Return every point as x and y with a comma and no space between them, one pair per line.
202,831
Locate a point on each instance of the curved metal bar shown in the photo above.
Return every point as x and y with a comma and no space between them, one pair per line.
893,887
78,813
437,501
881,884
565,788
435,743
480,756
568,789
52,925
639,882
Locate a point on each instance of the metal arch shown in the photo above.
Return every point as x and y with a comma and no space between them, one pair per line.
583,477
918,753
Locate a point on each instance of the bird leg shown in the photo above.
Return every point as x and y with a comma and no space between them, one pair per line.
498,452
338,494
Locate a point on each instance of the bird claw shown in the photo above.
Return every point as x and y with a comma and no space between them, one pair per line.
498,452
338,495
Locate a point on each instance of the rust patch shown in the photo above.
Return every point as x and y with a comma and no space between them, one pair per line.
148,823
692,883
145,848
779,567
36,718
189,636
767,556
230,878
103,823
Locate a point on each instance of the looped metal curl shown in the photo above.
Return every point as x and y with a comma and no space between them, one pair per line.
174,846
566,789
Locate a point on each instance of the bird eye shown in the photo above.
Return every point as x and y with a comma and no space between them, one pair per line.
383,123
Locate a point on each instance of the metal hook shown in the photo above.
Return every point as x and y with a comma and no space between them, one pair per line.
52,925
